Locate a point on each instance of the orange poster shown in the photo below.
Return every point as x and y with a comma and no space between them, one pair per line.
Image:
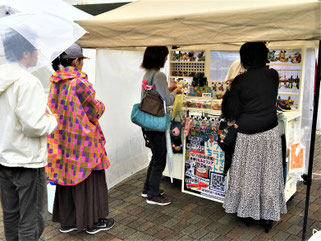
296,161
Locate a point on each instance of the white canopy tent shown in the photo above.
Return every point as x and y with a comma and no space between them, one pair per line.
189,22
203,22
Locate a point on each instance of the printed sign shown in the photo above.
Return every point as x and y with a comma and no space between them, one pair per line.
204,164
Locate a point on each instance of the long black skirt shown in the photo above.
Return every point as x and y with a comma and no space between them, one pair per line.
83,204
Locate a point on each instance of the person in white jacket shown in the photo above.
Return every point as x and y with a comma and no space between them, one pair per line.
24,126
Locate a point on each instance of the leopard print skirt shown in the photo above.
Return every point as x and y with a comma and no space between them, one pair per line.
256,186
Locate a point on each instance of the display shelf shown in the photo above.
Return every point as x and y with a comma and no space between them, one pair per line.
201,62
291,64
290,115
171,76
288,93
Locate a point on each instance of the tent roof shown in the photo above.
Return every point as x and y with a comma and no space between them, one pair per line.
199,22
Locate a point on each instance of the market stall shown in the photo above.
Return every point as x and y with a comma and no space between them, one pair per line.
221,24
200,162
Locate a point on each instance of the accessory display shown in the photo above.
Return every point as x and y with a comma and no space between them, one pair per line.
152,102
176,139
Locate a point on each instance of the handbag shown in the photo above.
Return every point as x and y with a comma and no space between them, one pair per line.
152,103
148,121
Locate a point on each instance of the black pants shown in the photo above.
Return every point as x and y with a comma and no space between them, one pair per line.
23,200
158,162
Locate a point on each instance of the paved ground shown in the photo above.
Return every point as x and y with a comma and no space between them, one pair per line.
191,218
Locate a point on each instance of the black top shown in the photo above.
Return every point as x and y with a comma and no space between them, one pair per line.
253,99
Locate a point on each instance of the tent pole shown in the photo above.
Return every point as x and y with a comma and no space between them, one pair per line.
308,177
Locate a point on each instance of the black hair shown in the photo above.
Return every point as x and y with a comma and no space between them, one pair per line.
154,57
62,61
15,45
254,54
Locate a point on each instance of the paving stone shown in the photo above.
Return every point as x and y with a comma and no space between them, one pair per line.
223,238
51,234
203,223
198,234
153,230
145,226
186,238
170,223
281,236
184,215
235,233
128,219
195,219
174,236
283,225
181,225
293,238
137,223
190,207
190,229
294,229
159,219
139,236
163,233
210,236
228,219
121,231
295,219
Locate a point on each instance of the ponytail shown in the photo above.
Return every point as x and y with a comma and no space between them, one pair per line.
59,62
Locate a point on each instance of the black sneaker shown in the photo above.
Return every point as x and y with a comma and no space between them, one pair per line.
67,229
103,225
144,192
158,200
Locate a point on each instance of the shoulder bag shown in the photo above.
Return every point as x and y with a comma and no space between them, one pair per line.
148,121
152,103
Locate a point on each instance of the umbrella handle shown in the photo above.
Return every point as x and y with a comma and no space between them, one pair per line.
49,111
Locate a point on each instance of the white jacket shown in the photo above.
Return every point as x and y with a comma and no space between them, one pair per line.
23,122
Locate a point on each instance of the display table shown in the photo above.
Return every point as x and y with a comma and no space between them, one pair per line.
292,124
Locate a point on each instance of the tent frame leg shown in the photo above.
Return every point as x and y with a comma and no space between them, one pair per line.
308,177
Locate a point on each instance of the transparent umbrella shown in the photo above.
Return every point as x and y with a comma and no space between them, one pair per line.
46,33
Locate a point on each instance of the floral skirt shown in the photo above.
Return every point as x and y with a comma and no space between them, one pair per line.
256,186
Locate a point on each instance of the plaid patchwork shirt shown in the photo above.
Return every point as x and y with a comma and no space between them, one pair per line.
76,147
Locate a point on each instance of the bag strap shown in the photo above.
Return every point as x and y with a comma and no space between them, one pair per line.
152,79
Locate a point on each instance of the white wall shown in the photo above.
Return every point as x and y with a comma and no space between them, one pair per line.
118,85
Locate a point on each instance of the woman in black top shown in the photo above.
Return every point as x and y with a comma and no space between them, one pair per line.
256,187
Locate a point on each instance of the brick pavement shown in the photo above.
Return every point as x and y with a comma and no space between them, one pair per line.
189,217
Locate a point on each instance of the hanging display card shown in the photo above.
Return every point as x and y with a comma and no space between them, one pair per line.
204,164
296,158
